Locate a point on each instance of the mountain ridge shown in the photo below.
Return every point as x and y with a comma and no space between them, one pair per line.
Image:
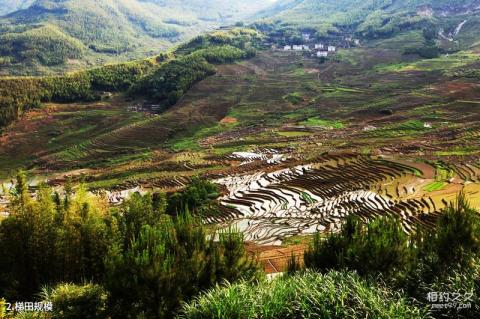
108,31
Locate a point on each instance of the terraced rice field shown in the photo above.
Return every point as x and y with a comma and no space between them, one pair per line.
316,197
393,140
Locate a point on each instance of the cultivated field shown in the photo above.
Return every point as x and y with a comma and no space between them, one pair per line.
295,144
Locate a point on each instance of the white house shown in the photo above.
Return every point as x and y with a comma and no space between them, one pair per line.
319,46
287,48
322,54
357,42
306,47
427,125
297,47
331,48
306,36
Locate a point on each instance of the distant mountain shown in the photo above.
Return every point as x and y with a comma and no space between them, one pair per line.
66,34
373,18
7,6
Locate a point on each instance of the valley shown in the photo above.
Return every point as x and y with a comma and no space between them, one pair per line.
371,132
239,159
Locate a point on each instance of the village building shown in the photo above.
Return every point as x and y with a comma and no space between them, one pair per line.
297,47
287,48
331,48
306,36
322,54
306,47
319,46
357,42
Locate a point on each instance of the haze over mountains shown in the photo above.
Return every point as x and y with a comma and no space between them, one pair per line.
7,6
71,34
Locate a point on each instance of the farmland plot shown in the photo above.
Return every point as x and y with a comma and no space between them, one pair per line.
316,197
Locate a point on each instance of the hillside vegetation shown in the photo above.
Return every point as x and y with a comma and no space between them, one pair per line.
384,273
82,239
52,36
164,79
371,18
46,44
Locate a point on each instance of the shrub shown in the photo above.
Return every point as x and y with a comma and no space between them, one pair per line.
379,246
457,236
3,310
70,301
294,98
427,52
194,197
170,262
44,242
444,258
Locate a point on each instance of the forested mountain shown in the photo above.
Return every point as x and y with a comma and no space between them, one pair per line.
163,79
70,34
372,18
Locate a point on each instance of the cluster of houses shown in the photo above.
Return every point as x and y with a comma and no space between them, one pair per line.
320,50
153,108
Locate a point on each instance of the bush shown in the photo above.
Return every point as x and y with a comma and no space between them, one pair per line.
198,194
444,258
3,310
427,52
294,98
88,301
47,241
457,236
306,295
149,261
169,263
379,246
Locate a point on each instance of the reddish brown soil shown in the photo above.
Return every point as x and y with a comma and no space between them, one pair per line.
275,259
459,90
228,120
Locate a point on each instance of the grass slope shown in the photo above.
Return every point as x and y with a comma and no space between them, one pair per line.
307,295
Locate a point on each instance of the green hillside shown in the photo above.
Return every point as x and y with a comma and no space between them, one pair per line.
163,79
371,19
52,36
46,44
